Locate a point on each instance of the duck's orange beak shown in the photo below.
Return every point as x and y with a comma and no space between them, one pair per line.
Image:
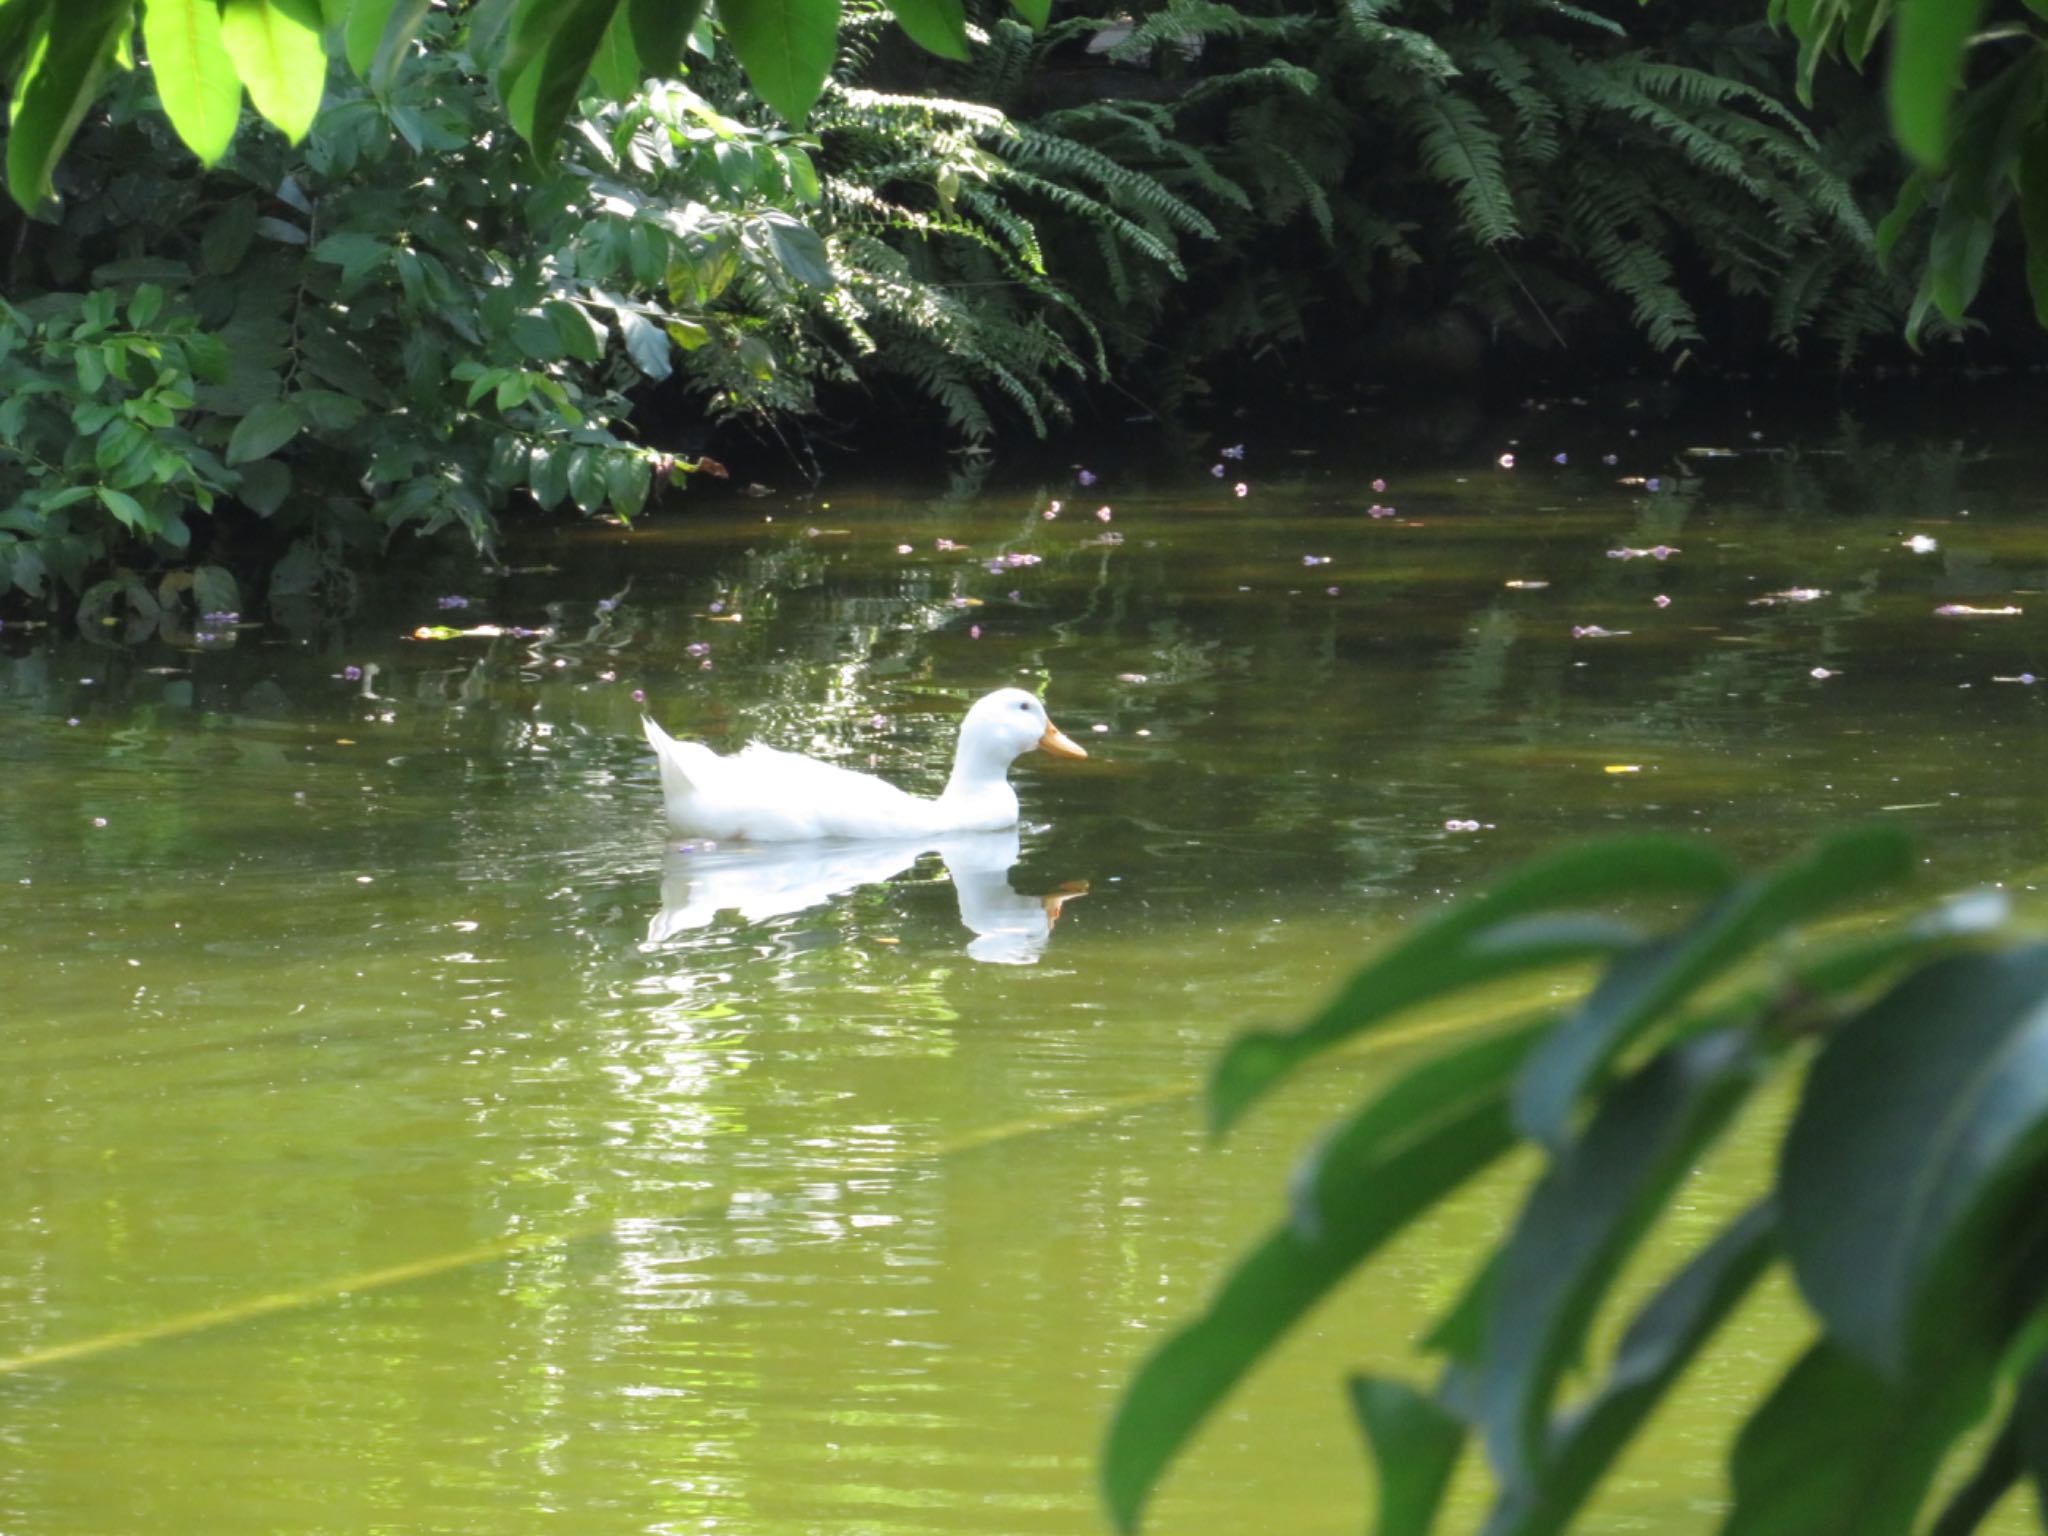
1058,743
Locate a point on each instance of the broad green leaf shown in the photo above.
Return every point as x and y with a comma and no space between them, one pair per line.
214,590
264,485
800,252
547,58
1446,1087
195,78
1037,12
1452,952
146,305
786,47
939,26
2030,181
627,479
1929,39
1912,198
1996,1473
586,478
356,252
548,475
1644,985
1415,1448
580,334
278,53
263,431
1279,1283
363,31
1660,1343
1838,1451
69,50
617,62
1903,1171
1581,1222
124,507
2030,1426
394,44
646,342
660,28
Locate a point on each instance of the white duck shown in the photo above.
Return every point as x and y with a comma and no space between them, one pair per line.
781,797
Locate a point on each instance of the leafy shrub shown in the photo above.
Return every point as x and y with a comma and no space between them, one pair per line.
1909,1196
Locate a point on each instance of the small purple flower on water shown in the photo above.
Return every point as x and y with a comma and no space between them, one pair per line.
1663,552
1822,674
221,619
1234,451
697,648
1610,459
607,604
352,674
902,549
718,607
1921,544
639,696
1087,477
1376,510
99,821
704,665
1455,825
1315,559
1379,487
1216,470
1653,484
1593,632
1242,489
948,544
1661,600
1102,514
1560,458
1330,591
1506,461
451,602
974,631
72,721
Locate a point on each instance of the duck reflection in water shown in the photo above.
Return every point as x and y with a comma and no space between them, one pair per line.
764,880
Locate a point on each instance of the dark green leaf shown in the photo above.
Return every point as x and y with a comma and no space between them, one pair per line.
547,475
581,336
547,58
1928,42
227,235
263,431
646,342
1583,1219
1446,956
627,479
2030,181
1903,1171
1446,1087
394,44
361,33
73,44
1415,1447
617,63
659,30
1037,12
786,47
939,26
800,251
586,478
1276,1285
1655,1351
214,590
1997,1472
1838,1451
264,485
2030,1426
278,53
195,78
1644,985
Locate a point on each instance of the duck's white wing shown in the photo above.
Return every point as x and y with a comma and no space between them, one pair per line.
788,797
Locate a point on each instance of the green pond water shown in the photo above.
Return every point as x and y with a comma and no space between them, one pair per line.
399,1138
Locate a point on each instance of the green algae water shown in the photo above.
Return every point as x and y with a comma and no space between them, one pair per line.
401,1136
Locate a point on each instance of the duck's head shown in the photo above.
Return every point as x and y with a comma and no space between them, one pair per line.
1007,724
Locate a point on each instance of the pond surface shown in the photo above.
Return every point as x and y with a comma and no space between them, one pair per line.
400,1138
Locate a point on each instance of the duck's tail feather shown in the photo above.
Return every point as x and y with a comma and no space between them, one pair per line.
685,765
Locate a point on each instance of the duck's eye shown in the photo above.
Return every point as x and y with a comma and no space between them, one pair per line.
1023,706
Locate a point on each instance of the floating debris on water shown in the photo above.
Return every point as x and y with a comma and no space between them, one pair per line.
1965,611
2027,678
1655,552
1526,586
485,632
1922,544
1789,595
1595,632
1822,674
947,546
1455,825
1622,768
1315,559
1712,453
1234,451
